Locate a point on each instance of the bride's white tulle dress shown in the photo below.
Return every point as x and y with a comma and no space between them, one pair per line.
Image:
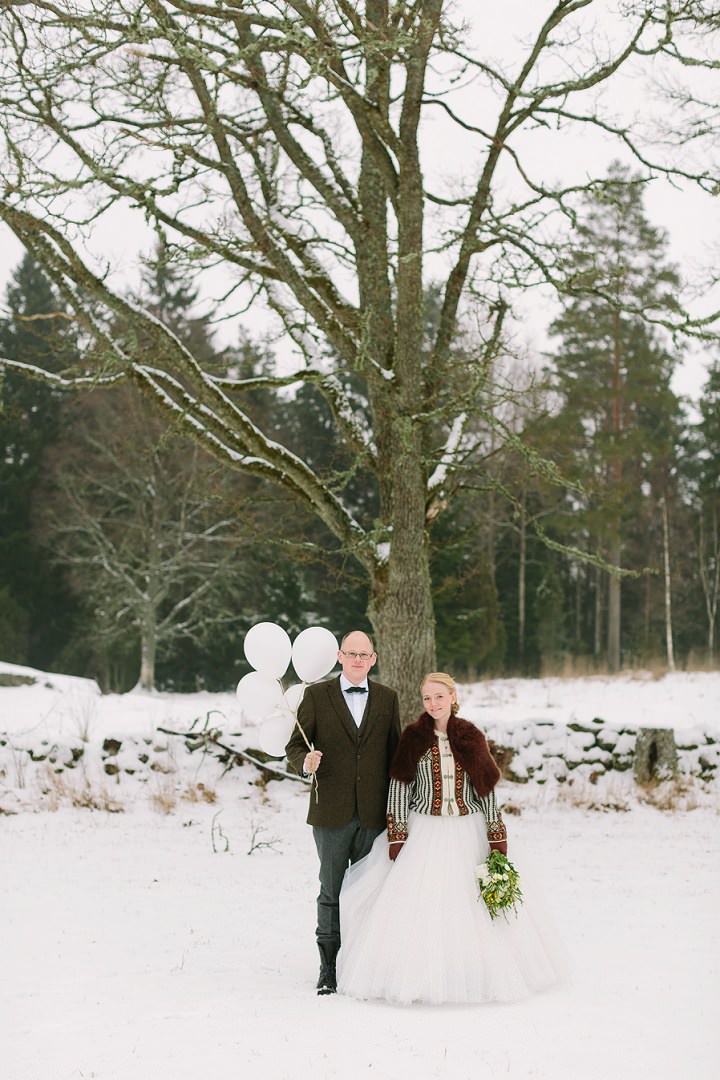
414,930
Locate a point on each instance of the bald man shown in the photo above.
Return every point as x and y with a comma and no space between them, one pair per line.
353,725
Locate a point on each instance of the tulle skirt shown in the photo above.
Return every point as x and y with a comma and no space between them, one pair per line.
415,930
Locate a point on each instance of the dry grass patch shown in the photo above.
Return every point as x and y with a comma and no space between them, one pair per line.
166,797
613,793
583,667
584,795
58,789
680,793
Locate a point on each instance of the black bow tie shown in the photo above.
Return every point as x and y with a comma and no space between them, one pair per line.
356,690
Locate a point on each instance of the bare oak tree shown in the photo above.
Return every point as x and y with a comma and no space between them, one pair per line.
147,531
291,143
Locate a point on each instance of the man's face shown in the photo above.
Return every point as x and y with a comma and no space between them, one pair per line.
356,657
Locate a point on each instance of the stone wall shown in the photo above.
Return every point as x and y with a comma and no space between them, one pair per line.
23,760
533,750
542,750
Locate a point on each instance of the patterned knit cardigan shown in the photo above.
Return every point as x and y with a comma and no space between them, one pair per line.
416,777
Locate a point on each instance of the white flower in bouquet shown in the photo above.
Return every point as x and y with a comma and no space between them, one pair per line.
482,873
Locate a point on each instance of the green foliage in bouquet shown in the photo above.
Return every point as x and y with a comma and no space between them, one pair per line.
499,884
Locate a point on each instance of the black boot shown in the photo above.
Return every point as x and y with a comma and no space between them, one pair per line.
327,982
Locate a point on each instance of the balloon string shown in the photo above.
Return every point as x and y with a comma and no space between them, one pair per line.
314,782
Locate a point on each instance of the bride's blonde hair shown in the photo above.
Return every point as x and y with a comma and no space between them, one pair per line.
446,680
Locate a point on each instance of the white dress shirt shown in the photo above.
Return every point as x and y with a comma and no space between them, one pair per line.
355,702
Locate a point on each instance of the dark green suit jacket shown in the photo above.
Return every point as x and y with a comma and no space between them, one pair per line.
353,774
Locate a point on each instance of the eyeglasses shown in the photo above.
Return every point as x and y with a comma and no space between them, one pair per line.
357,655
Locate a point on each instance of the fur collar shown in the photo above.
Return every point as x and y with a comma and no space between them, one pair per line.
468,744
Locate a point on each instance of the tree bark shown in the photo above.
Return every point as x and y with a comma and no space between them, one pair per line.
614,609
709,572
401,606
402,618
668,588
597,629
522,572
615,476
148,652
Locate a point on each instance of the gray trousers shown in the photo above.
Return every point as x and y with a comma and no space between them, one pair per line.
337,848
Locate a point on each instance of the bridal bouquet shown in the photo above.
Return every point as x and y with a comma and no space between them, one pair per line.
498,884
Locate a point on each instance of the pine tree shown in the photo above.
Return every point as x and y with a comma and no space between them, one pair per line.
167,293
36,608
612,373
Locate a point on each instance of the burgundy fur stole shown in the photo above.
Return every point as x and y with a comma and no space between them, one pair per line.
468,744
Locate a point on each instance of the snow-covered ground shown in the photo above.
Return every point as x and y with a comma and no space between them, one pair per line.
173,939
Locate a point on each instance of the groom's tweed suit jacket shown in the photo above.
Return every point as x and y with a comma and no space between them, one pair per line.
354,772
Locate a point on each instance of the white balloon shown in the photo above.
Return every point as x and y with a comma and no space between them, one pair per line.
267,648
314,653
274,733
294,695
259,695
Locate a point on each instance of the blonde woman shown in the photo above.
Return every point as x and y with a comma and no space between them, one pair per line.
413,928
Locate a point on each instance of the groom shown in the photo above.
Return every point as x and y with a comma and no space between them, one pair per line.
353,726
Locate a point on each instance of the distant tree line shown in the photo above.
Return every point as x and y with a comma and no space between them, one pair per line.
130,554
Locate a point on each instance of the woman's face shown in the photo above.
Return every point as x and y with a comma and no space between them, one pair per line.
437,700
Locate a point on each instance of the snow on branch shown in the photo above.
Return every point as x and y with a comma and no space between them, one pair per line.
454,446
64,382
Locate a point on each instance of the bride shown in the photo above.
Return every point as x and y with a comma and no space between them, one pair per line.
412,925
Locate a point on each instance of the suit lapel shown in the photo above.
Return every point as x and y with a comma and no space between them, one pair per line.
340,706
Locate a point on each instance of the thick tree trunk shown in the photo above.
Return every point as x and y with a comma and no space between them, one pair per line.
401,606
402,619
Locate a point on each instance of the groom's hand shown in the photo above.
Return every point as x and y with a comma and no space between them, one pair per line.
312,762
